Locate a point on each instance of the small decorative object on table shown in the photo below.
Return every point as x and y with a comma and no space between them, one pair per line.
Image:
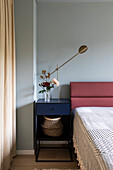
46,85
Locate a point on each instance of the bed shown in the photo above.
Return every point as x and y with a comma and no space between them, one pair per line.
92,107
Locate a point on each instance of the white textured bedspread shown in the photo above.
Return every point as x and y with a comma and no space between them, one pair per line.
97,123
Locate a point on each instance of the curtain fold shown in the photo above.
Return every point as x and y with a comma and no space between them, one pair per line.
7,84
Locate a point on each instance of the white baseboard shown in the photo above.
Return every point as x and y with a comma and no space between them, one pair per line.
25,152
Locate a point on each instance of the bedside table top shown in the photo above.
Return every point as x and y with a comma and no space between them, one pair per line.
54,101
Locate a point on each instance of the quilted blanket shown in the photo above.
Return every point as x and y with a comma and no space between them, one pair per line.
97,124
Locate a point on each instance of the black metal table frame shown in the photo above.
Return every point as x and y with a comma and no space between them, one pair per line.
39,148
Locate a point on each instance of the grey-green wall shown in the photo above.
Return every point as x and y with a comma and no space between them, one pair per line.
24,73
62,28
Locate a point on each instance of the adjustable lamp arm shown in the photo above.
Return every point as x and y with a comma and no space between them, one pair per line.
81,50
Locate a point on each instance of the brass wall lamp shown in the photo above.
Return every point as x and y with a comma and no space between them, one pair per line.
81,50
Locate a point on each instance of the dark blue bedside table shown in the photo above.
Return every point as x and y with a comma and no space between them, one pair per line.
60,107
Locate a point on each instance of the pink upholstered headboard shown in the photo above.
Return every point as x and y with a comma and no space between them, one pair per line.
95,94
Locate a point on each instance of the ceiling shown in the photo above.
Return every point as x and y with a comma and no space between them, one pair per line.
72,1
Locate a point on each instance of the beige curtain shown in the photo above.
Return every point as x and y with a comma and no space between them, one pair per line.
7,84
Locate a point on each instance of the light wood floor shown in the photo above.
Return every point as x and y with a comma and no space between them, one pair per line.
27,162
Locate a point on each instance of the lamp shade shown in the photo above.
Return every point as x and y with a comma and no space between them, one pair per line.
82,49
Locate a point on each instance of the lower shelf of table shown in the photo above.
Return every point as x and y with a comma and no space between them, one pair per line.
54,153
53,139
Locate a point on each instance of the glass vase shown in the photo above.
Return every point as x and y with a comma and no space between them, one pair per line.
47,96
